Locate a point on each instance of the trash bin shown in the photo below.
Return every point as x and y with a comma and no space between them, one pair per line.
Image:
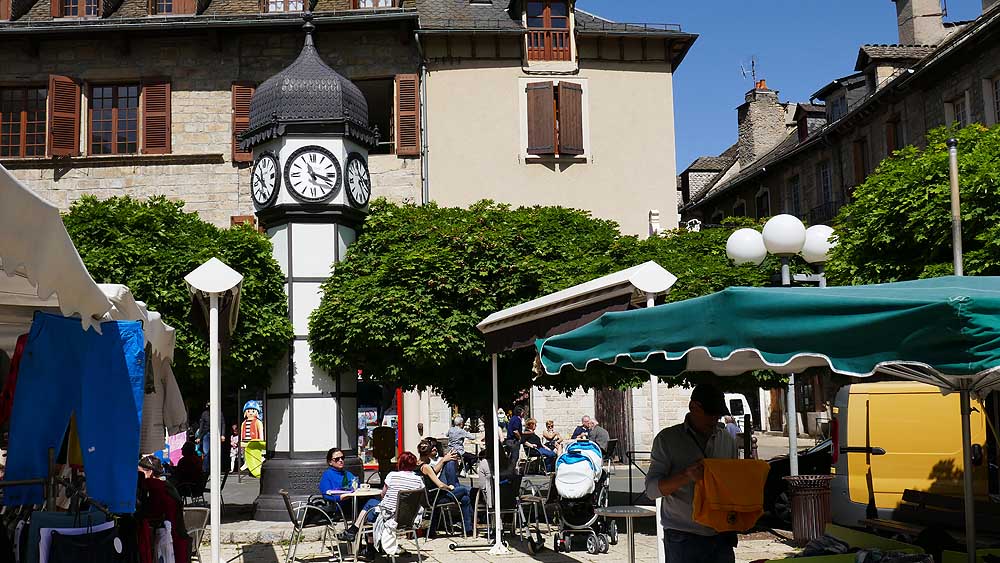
810,496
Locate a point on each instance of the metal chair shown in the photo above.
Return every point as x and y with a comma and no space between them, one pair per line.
510,504
409,516
443,506
196,522
609,456
533,460
537,502
298,512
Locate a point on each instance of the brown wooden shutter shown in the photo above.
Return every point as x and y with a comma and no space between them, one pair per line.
541,118
242,93
407,115
5,9
156,116
890,137
570,118
64,116
55,9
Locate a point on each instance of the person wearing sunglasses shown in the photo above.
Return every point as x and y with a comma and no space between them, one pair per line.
336,479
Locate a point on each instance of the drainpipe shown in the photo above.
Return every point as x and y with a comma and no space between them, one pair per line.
425,184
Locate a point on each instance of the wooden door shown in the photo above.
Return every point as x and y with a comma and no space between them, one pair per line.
613,409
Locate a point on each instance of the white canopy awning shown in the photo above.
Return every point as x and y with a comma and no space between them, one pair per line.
44,272
40,261
558,312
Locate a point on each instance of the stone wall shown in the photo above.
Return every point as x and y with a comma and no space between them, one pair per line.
761,123
199,170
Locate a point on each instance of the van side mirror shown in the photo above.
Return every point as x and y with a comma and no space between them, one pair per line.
977,455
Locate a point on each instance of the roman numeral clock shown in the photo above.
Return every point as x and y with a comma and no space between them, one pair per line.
310,187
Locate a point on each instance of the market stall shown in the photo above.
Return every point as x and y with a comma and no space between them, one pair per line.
941,331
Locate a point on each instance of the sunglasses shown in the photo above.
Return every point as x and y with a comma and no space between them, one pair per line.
341,458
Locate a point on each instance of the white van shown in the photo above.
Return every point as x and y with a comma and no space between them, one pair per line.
738,406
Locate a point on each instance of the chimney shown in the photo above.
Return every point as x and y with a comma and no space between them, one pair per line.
921,21
761,123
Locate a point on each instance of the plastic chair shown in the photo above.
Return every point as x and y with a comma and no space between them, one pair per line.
298,512
196,522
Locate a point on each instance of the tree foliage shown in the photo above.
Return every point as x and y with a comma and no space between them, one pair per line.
899,225
151,245
403,305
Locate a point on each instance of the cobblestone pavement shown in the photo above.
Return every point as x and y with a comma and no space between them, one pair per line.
751,548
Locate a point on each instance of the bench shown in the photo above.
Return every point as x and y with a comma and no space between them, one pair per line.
920,510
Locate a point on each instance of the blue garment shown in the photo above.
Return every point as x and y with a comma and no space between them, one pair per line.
335,479
577,431
372,514
512,426
97,377
550,458
449,473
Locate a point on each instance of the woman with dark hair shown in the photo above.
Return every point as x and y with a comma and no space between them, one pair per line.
404,479
336,477
427,470
188,472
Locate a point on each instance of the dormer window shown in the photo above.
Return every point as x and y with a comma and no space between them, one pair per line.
548,30
76,8
373,4
279,6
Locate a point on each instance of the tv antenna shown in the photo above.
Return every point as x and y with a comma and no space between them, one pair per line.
753,69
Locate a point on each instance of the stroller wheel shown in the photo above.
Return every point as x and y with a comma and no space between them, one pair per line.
593,544
613,533
603,544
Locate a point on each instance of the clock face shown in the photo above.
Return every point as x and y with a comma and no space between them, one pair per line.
359,183
312,174
264,180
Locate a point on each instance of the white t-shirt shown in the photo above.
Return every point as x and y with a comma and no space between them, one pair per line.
399,481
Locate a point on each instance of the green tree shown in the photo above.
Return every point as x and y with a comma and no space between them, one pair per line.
899,225
151,245
403,305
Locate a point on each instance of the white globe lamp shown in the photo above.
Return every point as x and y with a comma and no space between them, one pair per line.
816,249
746,246
784,235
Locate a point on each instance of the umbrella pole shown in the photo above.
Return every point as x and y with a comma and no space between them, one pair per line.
654,408
498,547
215,407
970,499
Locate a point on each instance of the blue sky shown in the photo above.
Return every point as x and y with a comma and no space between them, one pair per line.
800,45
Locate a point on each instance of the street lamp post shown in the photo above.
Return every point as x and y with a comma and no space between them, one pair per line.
785,236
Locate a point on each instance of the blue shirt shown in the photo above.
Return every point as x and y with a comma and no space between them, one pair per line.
335,479
512,426
578,430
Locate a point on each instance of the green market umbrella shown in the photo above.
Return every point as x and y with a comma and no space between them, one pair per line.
942,331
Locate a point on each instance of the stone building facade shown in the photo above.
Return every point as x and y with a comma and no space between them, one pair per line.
898,93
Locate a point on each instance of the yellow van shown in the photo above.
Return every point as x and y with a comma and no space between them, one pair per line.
905,436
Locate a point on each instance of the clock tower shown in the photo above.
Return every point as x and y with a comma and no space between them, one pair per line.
310,187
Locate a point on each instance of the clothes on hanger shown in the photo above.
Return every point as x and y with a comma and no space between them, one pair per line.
10,385
100,379
45,537
163,410
95,547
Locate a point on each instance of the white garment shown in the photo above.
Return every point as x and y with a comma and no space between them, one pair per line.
45,537
399,481
163,410
164,544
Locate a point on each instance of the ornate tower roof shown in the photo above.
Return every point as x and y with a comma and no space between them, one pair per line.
308,96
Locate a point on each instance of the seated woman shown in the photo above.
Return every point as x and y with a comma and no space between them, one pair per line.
427,470
552,439
336,479
531,440
188,475
404,479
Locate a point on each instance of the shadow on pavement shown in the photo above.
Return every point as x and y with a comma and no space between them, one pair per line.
265,553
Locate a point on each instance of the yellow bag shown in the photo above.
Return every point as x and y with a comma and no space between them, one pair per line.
731,496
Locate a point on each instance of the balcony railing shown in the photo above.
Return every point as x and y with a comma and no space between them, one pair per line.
824,213
549,45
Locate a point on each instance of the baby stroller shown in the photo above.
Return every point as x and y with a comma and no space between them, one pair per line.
582,486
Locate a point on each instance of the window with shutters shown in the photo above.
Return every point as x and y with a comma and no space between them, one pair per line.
75,8
242,93
5,9
824,181
794,203
380,95
893,135
555,119
957,110
113,122
172,7
22,122
548,37
129,118
408,115
278,6
861,162
763,203
360,4
740,208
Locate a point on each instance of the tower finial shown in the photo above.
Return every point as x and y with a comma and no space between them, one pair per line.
308,27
